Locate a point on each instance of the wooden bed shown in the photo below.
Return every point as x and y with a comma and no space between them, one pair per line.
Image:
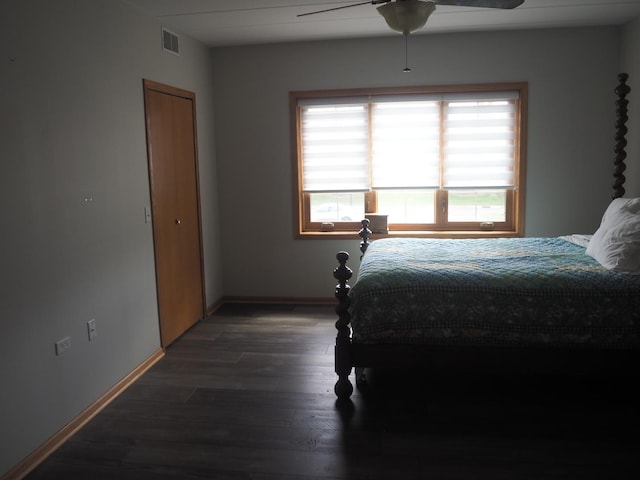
517,304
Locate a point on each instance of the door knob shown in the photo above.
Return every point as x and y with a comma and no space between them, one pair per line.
177,221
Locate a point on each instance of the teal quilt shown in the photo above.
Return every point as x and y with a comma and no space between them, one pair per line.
498,292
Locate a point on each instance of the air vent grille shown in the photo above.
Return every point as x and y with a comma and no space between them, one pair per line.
170,42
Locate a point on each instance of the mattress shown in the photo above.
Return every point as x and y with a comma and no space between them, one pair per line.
497,292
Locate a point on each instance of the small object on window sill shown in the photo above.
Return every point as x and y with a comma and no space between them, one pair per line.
378,223
486,225
327,226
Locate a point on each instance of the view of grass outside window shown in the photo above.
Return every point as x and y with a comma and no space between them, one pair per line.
477,206
435,161
408,206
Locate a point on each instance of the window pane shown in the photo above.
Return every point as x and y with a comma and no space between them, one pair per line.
477,205
337,207
407,206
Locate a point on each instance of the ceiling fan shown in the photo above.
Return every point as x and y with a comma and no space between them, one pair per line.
406,16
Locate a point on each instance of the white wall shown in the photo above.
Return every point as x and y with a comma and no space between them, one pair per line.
72,126
631,65
571,75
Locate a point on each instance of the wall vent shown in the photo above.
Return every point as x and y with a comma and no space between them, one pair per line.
170,41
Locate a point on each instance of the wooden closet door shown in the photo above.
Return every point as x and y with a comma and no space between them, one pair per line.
171,141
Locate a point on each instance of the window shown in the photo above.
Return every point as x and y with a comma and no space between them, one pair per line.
441,161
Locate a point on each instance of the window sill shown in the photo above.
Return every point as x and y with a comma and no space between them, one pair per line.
336,235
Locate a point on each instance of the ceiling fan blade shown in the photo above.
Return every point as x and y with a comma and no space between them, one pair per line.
506,4
372,2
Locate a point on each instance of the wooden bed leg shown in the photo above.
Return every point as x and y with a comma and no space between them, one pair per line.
361,377
343,388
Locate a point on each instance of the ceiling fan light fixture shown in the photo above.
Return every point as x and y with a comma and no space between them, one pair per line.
406,16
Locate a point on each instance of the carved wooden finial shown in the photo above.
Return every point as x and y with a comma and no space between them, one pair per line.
622,90
342,273
364,234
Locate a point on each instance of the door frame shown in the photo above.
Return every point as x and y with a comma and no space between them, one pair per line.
148,86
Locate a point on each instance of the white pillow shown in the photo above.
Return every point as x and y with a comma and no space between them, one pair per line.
616,243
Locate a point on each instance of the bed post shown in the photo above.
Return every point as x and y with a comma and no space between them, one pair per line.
622,90
364,234
343,388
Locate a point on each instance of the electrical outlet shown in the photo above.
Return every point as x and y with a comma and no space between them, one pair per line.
92,329
63,345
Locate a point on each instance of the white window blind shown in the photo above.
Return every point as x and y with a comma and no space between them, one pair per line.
479,144
406,144
458,140
335,147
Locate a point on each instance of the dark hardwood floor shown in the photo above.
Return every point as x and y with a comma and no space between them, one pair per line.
248,394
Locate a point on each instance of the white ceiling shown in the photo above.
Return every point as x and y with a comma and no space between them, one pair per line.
242,22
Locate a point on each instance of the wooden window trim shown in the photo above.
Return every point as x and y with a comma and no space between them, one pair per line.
515,203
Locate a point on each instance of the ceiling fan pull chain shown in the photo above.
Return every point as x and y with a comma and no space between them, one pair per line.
406,68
